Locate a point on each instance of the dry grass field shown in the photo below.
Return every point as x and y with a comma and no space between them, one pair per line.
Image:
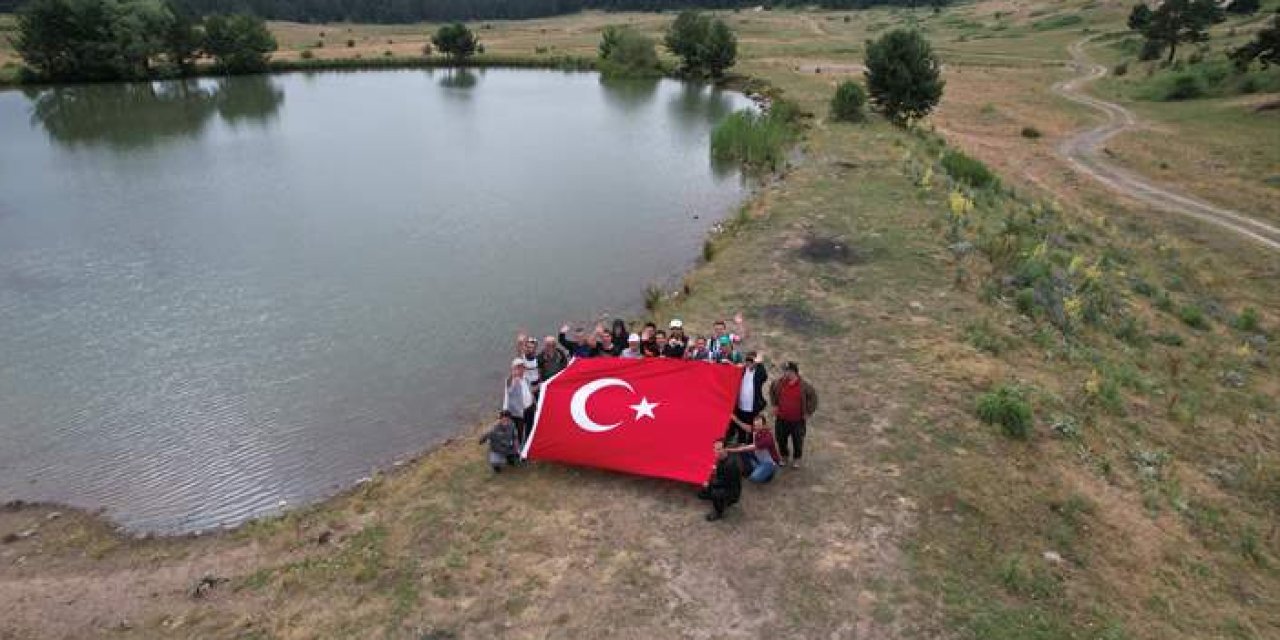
1144,504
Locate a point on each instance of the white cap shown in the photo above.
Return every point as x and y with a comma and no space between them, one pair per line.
676,324
635,337
518,362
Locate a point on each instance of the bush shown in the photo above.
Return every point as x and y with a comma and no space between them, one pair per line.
351,43
307,54
847,103
1247,320
427,49
627,52
968,170
903,76
1030,132
1168,339
1192,316
1184,86
1121,69
756,140
1006,407
240,43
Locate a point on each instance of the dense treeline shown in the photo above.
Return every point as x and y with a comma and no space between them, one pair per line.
391,11
102,40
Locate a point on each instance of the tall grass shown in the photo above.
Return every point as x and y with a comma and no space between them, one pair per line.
756,140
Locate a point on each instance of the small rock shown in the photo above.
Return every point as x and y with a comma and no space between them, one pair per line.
53,516
1052,557
205,584
29,533
324,537
916,306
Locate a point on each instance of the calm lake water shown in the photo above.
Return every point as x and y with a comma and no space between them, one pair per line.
219,295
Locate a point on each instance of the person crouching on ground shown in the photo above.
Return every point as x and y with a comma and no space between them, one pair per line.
763,451
724,487
502,442
794,401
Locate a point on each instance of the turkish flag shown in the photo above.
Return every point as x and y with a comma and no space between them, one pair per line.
651,417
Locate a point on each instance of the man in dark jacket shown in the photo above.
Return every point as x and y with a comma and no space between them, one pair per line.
794,401
724,487
750,400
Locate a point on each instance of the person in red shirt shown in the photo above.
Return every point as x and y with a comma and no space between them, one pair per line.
762,451
794,401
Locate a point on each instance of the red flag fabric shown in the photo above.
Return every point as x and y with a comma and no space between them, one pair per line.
651,417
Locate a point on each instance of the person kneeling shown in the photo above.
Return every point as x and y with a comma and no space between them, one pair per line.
724,487
762,452
502,442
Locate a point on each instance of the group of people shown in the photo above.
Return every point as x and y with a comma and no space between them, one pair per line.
750,448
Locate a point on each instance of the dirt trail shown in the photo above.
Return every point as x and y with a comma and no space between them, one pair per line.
1082,152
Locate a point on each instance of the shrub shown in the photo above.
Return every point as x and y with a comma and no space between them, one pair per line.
350,43
968,170
1030,132
847,103
1120,69
307,54
1247,320
627,52
1025,301
427,49
652,297
1006,406
318,45
1192,316
1168,339
1184,86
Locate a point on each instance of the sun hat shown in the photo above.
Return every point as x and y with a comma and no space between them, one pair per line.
635,337
676,324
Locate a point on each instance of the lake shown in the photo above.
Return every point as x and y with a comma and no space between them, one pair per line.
224,297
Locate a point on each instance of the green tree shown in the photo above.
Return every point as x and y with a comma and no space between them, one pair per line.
183,38
456,41
91,39
1178,21
1265,47
609,40
1139,17
848,101
685,38
704,46
903,75
626,52
720,51
240,43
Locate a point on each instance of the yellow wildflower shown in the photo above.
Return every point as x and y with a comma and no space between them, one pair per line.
1076,263
960,205
927,179
1074,306
1039,252
1094,384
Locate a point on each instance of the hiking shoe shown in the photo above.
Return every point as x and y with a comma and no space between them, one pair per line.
713,516
784,462
795,464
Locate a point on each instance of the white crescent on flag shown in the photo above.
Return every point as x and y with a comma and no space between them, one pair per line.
578,404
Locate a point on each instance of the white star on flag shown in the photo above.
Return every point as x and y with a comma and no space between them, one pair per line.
645,408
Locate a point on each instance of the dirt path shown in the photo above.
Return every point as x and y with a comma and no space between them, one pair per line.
1082,152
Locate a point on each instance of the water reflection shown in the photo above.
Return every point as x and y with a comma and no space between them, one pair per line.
695,101
249,100
629,94
139,115
458,78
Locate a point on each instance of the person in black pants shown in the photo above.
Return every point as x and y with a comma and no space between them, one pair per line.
724,487
750,401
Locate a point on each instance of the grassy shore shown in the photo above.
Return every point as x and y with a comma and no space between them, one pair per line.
1142,504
